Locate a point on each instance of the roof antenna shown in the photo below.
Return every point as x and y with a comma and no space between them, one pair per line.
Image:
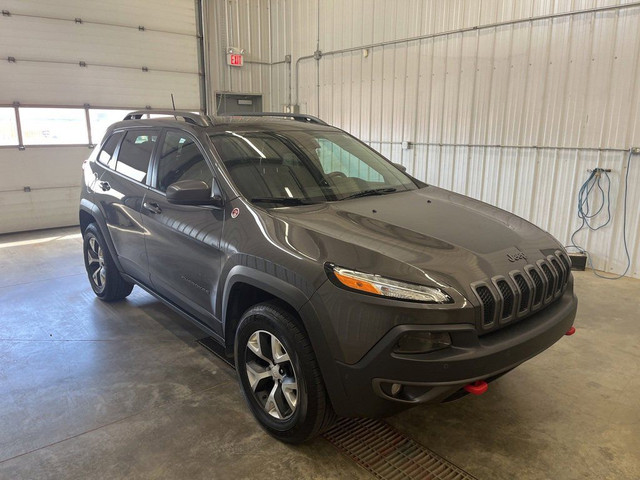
174,106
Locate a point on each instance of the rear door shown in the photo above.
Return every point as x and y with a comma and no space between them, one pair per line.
120,191
183,241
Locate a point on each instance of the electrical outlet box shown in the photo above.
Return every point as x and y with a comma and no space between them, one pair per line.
578,261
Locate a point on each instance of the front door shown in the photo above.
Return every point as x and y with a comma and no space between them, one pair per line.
183,241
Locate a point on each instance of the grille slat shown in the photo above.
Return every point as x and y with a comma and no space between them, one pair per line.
525,292
550,280
538,286
567,265
488,303
507,298
555,264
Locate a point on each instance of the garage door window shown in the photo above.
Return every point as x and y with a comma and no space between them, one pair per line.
181,159
101,120
53,126
8,128
135,153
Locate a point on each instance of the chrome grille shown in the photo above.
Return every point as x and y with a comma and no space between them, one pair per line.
524,292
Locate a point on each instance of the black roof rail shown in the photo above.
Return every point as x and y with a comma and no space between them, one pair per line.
189,117
300,117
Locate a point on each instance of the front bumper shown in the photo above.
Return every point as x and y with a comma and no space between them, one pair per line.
441,375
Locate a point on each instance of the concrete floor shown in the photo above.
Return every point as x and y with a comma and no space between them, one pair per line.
95,390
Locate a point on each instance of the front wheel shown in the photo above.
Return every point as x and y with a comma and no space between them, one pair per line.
279,375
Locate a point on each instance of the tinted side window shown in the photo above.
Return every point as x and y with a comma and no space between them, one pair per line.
135,153
106,154
181,159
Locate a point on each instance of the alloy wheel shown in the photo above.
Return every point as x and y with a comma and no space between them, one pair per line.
271,375
95,264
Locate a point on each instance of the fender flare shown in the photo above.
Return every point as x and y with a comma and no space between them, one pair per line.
264,281
309,317
93,210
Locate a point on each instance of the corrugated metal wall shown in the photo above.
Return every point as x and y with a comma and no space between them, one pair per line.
244,25
513,114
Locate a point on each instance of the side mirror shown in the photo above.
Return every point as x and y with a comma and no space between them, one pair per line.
400,167
192,192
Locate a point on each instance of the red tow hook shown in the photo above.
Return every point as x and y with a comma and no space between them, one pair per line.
571,331
477,388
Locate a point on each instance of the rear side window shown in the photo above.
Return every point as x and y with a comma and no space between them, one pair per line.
135,153
181,159
106,154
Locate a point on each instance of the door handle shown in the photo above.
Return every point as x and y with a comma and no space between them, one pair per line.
153,207
105,186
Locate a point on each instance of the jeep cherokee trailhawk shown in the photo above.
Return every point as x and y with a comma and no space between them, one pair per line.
337,283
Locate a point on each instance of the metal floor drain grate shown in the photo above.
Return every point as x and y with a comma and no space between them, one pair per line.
388,454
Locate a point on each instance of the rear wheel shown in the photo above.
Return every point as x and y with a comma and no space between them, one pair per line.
279,375
104,277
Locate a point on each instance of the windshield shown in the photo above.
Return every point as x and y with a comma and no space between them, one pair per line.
302,167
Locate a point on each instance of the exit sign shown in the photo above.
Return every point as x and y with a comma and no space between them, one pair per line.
235,59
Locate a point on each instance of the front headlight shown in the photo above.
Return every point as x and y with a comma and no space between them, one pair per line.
385,287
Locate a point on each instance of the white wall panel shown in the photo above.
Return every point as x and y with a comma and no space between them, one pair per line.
53,175
166,15
98,86
48,44
48,47
97,44
513,115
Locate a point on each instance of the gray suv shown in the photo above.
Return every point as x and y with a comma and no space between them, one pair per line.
337,283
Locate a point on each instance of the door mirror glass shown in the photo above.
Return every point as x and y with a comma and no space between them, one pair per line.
192,192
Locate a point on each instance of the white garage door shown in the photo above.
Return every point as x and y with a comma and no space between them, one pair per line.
70,68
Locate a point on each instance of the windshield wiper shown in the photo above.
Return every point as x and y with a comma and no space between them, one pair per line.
373,191
282,200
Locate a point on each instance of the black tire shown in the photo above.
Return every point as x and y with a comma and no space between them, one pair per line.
312,413
104,277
